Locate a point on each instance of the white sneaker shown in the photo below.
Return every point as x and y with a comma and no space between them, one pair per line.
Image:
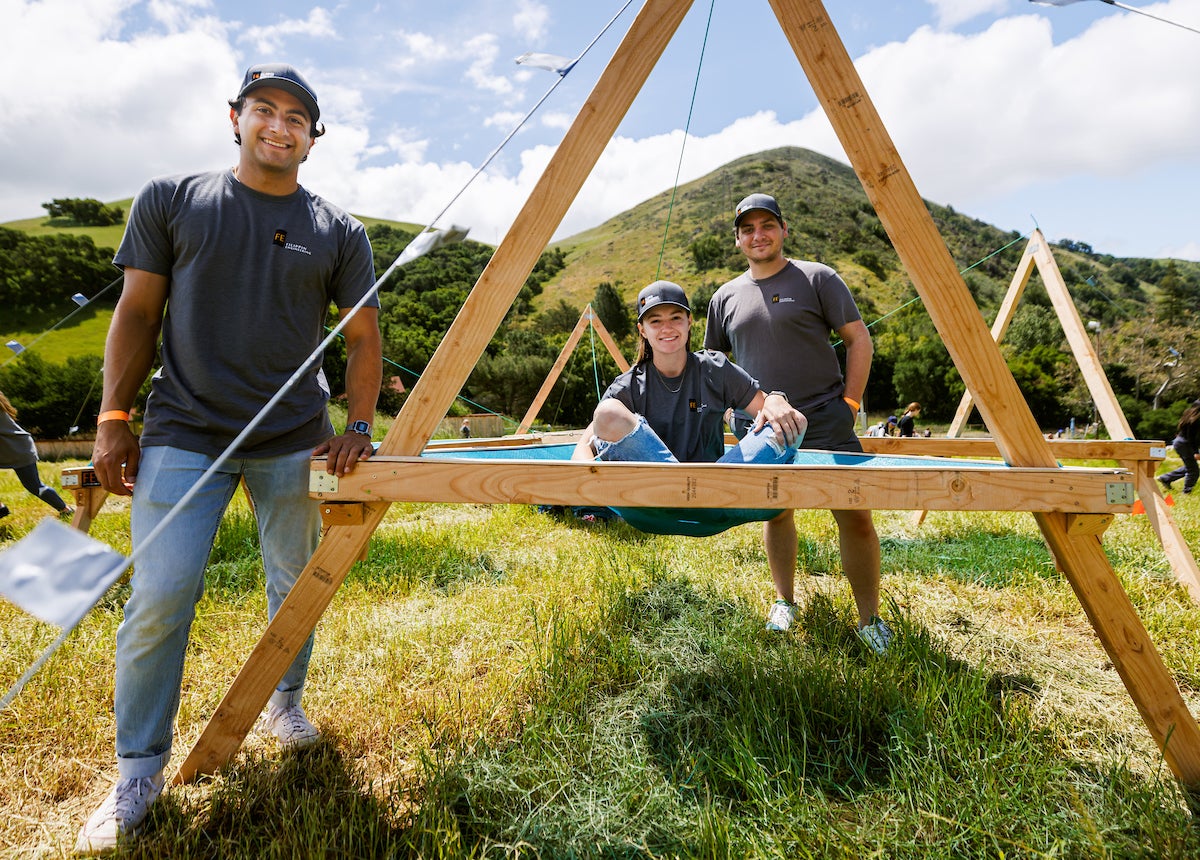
781,616
121,814
291,727
877,635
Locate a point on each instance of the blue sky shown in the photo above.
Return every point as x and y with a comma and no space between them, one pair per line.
1084,119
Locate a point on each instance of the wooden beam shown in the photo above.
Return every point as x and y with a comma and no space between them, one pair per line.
980,447
588,317
606,338
1088,524
1096,380
957,319
1174,545
713,485
447,371
1004,316
1128,646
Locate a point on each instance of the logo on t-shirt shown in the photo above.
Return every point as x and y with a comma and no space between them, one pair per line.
280,239
776,299
693,404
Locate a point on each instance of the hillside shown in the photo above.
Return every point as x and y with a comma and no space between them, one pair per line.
830,220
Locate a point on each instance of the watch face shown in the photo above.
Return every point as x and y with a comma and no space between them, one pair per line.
361,427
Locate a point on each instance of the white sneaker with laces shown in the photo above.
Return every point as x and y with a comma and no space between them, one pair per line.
877,635
291,727
781,616
121,814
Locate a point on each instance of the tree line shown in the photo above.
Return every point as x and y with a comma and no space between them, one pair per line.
1144,310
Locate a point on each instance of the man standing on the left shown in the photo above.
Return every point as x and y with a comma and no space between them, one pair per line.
236,269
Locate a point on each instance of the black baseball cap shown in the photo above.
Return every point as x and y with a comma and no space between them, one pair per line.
284,77
661,293
757,201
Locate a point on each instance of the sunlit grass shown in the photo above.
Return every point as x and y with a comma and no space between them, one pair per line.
494,682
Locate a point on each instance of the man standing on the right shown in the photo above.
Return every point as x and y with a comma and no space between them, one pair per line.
776,319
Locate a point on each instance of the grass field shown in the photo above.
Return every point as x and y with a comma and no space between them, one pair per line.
495,682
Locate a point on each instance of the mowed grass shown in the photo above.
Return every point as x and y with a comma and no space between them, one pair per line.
495,682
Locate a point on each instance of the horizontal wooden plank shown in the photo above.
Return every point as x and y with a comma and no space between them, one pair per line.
1121,450
710,485
1063,449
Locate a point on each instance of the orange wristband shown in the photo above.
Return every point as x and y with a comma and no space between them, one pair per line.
852,403
112,415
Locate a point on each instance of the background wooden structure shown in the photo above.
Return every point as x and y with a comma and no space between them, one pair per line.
1038,255
823,57
588,317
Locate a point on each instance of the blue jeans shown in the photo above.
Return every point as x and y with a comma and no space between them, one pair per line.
168,581
1189,471
644,445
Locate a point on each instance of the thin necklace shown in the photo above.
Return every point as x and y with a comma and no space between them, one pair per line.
663,380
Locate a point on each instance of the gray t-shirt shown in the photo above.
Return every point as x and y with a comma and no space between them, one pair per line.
690,421
251,280
778,329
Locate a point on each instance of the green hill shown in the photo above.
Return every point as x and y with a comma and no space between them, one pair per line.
830,220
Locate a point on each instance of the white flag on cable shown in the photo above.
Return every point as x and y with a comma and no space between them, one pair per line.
57,573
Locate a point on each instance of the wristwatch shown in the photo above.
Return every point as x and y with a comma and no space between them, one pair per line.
360,427
781,394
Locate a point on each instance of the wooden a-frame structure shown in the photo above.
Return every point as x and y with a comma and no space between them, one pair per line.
1038,256
828,66
588,317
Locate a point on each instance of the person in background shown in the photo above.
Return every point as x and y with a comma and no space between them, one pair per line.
237,270
907,423
464,429
776,319
1186,445
19,453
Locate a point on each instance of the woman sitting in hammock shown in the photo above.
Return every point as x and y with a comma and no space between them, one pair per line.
669,407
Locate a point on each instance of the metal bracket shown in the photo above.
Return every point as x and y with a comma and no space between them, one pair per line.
1119,493
322,482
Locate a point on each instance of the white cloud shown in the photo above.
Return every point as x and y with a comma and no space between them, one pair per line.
79,132
975,118
979,116
530,20
269,40
951,13
999,123
422,48
483,49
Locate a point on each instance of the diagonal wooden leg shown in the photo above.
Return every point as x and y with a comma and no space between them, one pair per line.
1183,563
296,619
956,316
1128,645
88,502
